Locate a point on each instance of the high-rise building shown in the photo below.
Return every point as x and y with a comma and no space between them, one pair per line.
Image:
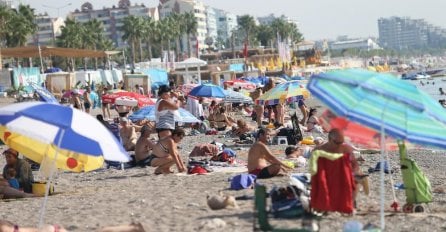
7,3
48,29
211,23
226,23
112,18
167,7
404,33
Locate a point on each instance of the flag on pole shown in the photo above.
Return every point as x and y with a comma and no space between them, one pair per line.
198,48
245,51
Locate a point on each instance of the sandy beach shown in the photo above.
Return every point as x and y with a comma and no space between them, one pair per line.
107,197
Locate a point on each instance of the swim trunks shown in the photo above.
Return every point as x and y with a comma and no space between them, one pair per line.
147,161
261,173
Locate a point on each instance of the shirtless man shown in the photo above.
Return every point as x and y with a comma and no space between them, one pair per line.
128,134
164,153
143,146
259,156
87,100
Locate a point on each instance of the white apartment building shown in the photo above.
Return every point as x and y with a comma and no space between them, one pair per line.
112,18
211,21
168,7
226,23
363,44
47,30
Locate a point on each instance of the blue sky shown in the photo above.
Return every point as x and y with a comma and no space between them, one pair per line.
319,19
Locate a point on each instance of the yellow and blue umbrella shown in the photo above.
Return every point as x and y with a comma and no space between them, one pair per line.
41,130
287,92
381,101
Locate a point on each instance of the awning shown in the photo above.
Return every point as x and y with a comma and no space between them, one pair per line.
33,51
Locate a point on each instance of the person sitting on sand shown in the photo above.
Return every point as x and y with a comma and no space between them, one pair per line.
221,120
242,128
127,134
22,168
313,124
164,153
143,146
259,156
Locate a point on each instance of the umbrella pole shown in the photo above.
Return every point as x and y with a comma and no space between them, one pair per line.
48,183
381,172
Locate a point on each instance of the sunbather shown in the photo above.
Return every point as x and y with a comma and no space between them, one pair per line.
8,226
127,134
165,153
259,156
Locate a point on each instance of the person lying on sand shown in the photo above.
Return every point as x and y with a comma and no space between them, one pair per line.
259,156
6,226
164,153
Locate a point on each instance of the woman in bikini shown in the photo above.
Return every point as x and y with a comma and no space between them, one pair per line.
313,124
221,120
164,153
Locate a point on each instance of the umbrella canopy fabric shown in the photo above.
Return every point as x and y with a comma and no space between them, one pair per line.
44,94
236,97
208,90
241,83
68,93
356,133
288,92
127,99
39,130
380,100
148,113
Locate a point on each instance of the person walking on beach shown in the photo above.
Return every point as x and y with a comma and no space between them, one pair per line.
259,156
105,106
166,109
22,168
87,100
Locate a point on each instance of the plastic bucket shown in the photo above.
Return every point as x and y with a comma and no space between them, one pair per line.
39,188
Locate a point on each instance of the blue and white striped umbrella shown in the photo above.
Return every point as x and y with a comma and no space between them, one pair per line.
44,94
148,113
38,129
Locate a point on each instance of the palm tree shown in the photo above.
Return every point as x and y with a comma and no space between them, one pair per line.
265,34
133,32
21,25
191,26
5,18
71,37
247,25
178,30
149,34
94,31
163,34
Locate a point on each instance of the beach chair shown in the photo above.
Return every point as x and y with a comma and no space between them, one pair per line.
261,215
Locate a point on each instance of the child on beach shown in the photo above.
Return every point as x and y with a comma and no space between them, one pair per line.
11,177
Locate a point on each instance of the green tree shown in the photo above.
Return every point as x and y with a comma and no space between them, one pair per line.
20,26
247,25
149,34
265,35
133,33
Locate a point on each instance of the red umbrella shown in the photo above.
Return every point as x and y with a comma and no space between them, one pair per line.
354,132
241,83
127,99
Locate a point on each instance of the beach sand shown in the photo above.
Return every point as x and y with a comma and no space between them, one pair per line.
107,197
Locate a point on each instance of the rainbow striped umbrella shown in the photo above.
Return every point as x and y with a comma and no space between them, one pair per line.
287,92
381,101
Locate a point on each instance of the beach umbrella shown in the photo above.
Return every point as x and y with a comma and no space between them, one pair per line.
148,113
381,101
241,83
127,99
236,97
208,90
287,92
42,130
44,94
355,133
68,93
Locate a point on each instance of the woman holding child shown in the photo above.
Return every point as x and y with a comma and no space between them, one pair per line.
22,170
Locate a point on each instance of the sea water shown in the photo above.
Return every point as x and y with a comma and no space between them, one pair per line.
432,86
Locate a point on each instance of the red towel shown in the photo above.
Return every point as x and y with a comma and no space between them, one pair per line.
332,186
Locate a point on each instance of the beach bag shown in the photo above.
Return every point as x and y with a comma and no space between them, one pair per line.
242,181
285,202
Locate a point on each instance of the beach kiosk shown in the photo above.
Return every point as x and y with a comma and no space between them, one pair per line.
56,82
130,80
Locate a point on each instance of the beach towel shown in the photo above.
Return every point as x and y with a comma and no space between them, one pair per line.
313,162
242,181
333,184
